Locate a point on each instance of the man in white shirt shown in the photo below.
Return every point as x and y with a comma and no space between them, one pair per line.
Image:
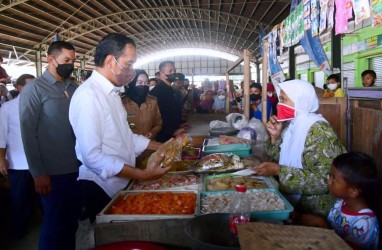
104,142
14,163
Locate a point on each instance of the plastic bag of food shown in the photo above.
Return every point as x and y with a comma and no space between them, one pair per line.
261,132
248,133
237,120
171,149
218,163
219,124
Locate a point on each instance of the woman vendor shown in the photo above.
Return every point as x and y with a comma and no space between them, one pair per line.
303,151
143,112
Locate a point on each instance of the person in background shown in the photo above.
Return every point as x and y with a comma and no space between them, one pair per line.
302,150
188,98
368,78
4,94
157,76
49,142
105,144
152,83
334,86
169,108
255,103
205,105
272,97
219,102
143,112
14,163
4,77
180,94
353,181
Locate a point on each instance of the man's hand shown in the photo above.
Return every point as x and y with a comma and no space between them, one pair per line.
267,169
154,170
3,166
42,184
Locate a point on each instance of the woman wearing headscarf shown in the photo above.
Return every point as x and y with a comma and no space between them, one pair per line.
219,102
303,151
205,105
142,109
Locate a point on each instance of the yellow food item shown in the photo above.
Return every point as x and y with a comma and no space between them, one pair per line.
229,183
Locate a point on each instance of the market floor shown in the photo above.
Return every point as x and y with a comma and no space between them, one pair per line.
85,232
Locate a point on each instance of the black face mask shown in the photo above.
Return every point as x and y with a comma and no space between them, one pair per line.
171,77
142,90
255,97
64,70
238,99
185,87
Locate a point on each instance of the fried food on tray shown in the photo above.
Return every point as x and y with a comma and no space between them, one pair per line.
155,203
229,183
166,181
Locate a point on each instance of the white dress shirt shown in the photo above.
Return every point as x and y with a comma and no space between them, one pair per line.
10,135
104,141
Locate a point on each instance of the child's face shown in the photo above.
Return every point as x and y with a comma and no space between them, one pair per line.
368,80
337,185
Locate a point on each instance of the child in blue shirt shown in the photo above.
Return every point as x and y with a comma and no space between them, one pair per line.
353,179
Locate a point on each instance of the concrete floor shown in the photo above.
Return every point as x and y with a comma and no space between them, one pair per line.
85,232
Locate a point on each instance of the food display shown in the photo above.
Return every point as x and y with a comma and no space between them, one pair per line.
261,200
155,203
226,139
229,183
218,163
183,166
166,181
171,149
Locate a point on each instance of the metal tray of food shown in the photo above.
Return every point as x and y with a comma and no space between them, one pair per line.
266,203
225,182
170,182
107,215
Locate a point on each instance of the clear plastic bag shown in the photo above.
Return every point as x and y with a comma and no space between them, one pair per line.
171,149
237,120
248,133
261,132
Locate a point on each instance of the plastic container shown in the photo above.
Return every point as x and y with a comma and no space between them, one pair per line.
240,149
223,131
269,181
240,208
279,215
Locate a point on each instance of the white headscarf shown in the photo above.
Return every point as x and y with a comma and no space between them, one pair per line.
306,104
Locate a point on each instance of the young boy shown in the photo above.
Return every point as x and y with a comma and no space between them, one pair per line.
368,78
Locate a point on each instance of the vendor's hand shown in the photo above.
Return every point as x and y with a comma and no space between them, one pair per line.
267,169
42,184
149,135
154,170
4,166
274,128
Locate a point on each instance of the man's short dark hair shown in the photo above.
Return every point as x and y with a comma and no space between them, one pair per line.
256,85
21,81
164,63
112,44
335,77
369,72
153,79
157,73
56,47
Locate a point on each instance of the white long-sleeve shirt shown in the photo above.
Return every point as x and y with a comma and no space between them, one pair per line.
10,135
104,141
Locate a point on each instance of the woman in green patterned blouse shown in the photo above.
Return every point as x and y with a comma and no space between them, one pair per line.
303,149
